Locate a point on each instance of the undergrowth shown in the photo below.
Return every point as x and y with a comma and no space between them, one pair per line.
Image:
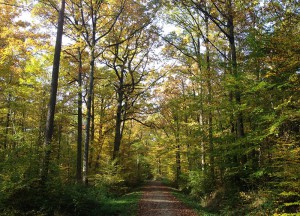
68,200
192,203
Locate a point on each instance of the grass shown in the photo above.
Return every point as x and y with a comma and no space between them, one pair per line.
192,203
126,205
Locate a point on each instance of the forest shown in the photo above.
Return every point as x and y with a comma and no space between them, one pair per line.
99,96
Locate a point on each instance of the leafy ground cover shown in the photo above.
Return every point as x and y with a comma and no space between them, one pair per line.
125,205
192,203
75,200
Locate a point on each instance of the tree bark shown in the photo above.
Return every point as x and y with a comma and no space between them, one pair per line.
237,93
92,147
79,120
88,118
53,93
178,152
100,134
118,132
209,98
178,162
59,138
7,122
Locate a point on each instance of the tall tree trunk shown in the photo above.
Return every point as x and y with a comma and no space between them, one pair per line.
7,122
53,93
100,134
92,46
89,114
42,121
237,93
118,132
8,115
7,128
79,120
178,152
92,148
178,161
209,98
201,121
59,136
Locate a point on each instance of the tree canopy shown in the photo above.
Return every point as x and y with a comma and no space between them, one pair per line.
204,94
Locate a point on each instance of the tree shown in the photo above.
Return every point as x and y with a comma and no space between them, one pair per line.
211,105
99,27
248,30
128,57
73,19
52,102
195,42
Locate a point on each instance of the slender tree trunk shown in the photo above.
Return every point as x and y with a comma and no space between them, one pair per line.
42,121
188,145
7,128
178,152
201,121
178,162
79,120
59,135
8,115
53,93
237,93
118,132
209,97
23,124
92,131
89,113
201,115
7,123
232,71
100,135
90,94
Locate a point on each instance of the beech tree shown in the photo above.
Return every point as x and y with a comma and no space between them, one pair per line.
93,23
128,56
195,42
52,102
204,94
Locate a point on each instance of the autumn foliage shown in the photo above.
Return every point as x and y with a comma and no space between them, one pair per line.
201,94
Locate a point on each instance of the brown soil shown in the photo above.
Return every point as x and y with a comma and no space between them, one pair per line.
158,199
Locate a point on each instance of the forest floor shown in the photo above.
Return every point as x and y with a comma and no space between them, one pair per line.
158,199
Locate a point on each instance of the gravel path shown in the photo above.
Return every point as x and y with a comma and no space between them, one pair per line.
158,199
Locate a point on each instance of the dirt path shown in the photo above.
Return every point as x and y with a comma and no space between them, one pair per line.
158,199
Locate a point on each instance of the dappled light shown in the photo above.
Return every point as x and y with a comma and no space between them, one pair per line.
149,107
